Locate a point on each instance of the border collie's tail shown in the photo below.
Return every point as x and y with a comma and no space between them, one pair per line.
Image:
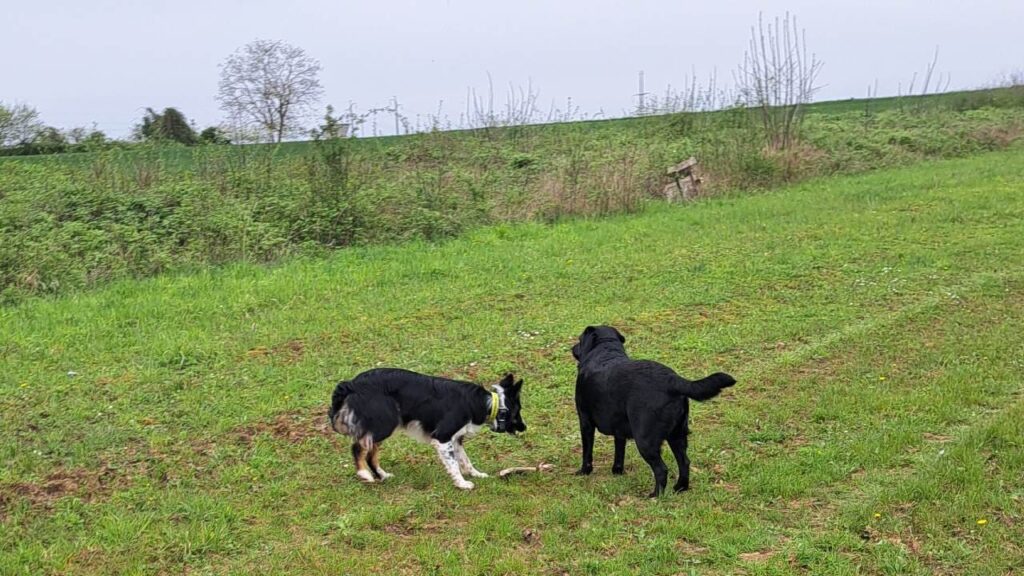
705,388
341,391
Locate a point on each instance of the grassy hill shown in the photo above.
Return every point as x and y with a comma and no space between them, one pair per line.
81,221
176,424
1008,97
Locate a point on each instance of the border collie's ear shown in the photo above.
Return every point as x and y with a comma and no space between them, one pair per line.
507,381
518,385
619,334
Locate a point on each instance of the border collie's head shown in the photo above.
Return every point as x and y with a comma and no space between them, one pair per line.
512,422
594,335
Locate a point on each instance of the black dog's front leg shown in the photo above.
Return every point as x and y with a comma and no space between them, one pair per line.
619,465
587,437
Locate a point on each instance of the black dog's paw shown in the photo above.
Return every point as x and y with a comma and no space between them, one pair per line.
585,471
618,470
681,487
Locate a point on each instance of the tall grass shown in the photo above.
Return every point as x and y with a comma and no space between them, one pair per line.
68,222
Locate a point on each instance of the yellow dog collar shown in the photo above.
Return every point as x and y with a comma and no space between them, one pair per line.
494,407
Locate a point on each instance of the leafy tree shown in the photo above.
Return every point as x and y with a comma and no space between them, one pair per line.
19,124
77,135
96,138
213,135
48,140
170,124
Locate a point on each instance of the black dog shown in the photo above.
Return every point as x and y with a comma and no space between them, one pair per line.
431,409
637,399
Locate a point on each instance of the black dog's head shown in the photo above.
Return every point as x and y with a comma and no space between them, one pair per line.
510,419
593,336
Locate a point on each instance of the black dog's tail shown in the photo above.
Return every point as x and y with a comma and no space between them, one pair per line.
705,388
341,391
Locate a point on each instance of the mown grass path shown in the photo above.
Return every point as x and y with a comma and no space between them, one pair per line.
873,323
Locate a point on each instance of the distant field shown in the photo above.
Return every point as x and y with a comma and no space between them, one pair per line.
176,424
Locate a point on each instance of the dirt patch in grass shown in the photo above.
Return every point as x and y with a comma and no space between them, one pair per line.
531,537
123,379
401,530
288,352
86,484
905,540
760,556
294,427
690,549
91,560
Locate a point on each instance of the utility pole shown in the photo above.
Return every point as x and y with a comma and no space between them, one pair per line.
394,103
641,106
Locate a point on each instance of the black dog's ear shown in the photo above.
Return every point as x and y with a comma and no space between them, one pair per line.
588,330
619,334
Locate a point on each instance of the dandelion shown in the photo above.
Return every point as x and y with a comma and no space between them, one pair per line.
24,384
982,522
881,377
878,515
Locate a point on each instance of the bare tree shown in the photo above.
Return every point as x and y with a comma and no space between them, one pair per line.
521,107
270,85
777,78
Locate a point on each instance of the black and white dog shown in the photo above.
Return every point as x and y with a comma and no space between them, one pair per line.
638,399
438,411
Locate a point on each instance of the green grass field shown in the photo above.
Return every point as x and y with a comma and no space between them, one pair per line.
176,424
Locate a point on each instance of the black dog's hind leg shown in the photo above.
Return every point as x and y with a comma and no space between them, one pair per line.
678,446
677,442
360,450
651,451
618,465
587,437
375,464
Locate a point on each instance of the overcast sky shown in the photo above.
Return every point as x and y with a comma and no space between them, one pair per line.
104,61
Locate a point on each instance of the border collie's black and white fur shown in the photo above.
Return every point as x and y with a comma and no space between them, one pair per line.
431,409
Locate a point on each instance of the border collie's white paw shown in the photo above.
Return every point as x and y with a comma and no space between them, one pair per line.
365,476
477,474
384,475
464,485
